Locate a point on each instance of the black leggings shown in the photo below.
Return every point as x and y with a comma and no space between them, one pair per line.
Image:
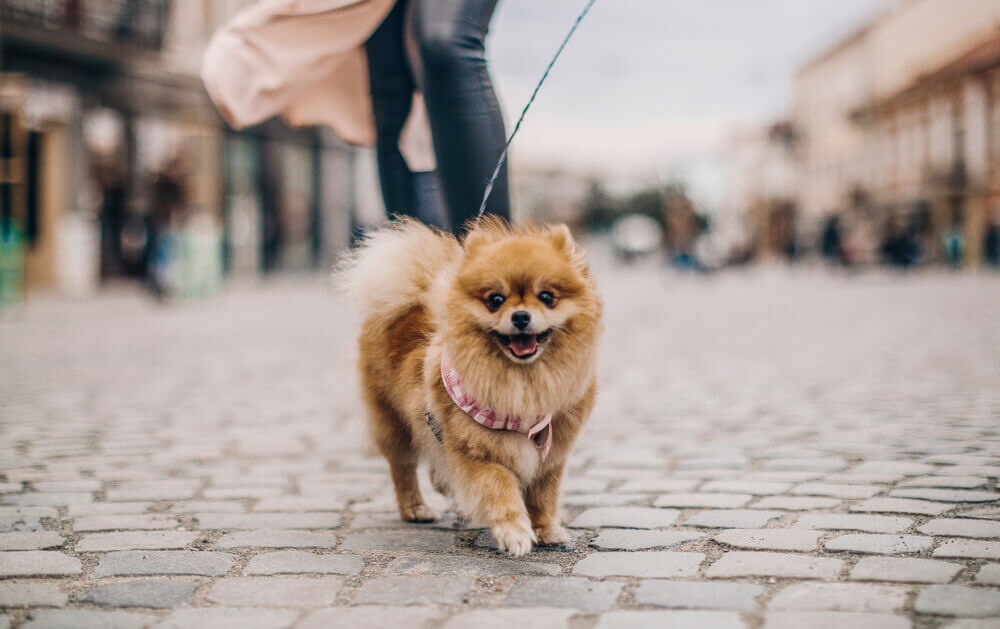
466,124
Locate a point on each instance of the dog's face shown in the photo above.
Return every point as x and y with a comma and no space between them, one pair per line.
525,296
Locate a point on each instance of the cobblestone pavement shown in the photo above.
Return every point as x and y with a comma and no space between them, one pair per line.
771,449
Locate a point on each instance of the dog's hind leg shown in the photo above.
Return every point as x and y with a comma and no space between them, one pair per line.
395,442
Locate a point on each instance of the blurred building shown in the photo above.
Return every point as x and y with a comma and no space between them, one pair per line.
897,129
112,141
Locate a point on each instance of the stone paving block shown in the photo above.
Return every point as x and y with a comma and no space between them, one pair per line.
854,522
968,548
989,574
395,541
840,597
67,485
294,504
626,517
605,500
767,564
652,564
227,493
268,520
961,527
370,617
770,539
992,471
953,482
570,592
306,592
302,562
205,506
659,485
108,508
30,540
862,479
945,495
86,619
538,618
836,490
815,464
138,540
698,595
156,594
31,594
674,619
904,570
902,505
266,538
392,521
223,618
688,500
577,485
29,512
833,620
989,513
879,544
423,590
19,523
795,503
756,488
908,468
42,563
783,476
957,600
166,562
622,539
54,499
972,623
124,522
179,489
460,566
731,518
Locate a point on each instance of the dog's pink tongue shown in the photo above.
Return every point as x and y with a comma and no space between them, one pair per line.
523,344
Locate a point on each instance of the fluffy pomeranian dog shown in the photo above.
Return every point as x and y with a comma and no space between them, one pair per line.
478,357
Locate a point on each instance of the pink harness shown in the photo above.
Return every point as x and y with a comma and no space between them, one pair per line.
487,416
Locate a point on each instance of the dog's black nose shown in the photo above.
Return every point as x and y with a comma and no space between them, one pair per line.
520,319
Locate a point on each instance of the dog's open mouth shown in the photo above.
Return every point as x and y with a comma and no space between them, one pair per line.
523,346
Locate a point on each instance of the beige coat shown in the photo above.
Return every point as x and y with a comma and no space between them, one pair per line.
304,60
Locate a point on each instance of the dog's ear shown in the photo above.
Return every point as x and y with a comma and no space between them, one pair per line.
562,238
476,239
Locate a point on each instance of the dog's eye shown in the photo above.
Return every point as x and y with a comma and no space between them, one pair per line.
494,301
547,298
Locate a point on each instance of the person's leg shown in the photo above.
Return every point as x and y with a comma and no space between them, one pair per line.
392,95
466,123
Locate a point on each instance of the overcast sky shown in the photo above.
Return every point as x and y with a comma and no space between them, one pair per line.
646,85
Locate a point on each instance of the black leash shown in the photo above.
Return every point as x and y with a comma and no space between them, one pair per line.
503,155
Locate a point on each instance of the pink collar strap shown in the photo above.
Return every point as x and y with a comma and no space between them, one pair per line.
487,416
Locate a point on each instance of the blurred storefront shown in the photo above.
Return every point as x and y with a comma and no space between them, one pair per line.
899,135
116,166
937,161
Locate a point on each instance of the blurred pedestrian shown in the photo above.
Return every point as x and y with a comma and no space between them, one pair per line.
409,76
437,48
830,243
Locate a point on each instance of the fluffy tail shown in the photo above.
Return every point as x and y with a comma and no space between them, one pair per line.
393,268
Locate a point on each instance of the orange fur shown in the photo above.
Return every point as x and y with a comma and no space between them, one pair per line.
422,293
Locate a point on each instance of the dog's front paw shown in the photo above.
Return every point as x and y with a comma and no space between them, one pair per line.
417,513
514,537
552,535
